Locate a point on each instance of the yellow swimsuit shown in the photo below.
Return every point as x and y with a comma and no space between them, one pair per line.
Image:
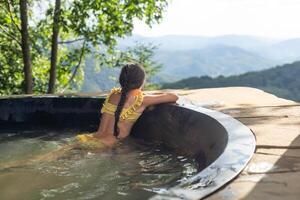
88,141
128,114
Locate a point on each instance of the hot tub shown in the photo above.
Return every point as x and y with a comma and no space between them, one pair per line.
221,145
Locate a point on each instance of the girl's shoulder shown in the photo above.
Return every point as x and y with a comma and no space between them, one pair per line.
115,90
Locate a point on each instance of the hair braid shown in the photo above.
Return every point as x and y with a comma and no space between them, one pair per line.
121,103
131,77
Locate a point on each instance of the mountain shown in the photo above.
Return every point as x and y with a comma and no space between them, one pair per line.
284,51
213,60
282,81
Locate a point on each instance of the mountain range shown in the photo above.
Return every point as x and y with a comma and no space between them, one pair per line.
219,55
185,56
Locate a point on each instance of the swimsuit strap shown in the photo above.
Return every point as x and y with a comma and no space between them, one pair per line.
131,109
113,91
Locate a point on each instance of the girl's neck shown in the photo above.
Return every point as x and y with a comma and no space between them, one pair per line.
135,92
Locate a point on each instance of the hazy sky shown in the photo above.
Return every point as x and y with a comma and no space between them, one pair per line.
271,18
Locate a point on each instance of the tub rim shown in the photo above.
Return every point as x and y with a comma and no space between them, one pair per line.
222,170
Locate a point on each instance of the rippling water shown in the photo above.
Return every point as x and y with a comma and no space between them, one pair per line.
134,170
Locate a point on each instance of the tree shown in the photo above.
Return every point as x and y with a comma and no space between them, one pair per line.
11,57
55,32
25,46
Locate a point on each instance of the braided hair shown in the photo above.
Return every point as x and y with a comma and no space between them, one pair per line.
132,76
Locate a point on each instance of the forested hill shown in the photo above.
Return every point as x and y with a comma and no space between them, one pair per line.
283,81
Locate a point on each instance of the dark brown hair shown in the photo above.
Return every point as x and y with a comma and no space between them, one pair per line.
132,76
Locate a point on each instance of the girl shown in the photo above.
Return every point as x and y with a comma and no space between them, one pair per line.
122,107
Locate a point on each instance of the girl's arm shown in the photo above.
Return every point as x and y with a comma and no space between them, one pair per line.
161,97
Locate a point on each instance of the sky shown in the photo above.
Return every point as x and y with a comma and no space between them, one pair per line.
265,18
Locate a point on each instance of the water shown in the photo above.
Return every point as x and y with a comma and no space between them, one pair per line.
134,170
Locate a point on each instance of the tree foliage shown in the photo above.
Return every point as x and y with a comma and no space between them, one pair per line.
86,26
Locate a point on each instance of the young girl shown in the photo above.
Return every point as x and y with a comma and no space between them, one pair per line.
122,107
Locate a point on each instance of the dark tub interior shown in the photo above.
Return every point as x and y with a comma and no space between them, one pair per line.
183,130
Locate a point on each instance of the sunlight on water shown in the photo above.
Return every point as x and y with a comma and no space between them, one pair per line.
133,170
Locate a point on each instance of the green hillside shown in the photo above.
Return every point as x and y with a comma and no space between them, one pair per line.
282,81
